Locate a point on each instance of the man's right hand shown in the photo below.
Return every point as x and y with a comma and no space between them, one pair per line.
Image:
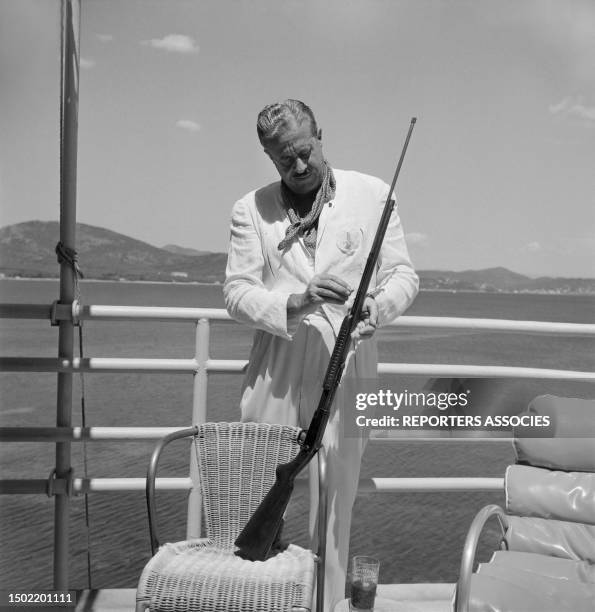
322,288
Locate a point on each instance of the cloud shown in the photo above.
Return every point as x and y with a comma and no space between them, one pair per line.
86,63
104,38
417,239
188,124
175,43
532,247
574,107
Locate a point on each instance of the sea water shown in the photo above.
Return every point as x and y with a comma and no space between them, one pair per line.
417,536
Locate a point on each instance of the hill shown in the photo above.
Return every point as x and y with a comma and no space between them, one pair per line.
500,279
27,250
178,250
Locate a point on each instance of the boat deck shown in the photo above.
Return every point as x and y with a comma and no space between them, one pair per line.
431,597
422,597
106,600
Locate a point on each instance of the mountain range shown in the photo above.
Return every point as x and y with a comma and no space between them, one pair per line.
28,250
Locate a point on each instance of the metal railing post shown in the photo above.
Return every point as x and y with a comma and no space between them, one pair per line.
199,415
68,154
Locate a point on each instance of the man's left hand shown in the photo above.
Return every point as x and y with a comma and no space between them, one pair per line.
368,321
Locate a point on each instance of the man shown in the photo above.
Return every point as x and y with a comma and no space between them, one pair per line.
298,248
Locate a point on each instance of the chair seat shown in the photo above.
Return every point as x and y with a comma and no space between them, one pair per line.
196,575
498,588
555,567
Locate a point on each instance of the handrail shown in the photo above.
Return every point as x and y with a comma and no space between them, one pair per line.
497,325
481,371
426,484
84,485
102,312
78,434
232,366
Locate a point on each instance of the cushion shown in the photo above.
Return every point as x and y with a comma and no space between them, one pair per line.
550,537
572,446
195,575
565,496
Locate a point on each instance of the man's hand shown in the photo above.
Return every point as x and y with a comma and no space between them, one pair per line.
368,321
322,288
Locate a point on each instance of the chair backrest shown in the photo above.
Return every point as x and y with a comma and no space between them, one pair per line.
549,542
550,492
236,464
570,441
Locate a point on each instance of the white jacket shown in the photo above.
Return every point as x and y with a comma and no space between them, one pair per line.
260,278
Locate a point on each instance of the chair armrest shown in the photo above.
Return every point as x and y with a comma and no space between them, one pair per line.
151,474
322,524
464,583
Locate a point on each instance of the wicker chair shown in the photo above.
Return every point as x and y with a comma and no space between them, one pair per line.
547,561
236,466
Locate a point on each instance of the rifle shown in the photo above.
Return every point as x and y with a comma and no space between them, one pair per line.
263,528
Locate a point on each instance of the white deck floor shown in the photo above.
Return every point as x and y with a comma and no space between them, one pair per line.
428,597
434,597
106,600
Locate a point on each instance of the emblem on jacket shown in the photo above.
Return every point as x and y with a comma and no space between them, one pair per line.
349,241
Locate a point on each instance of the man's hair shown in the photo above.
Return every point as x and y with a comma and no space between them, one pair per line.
274,117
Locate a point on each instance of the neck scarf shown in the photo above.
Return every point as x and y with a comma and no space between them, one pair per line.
307,226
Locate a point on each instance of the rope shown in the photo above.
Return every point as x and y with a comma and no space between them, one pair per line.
70,256
85,464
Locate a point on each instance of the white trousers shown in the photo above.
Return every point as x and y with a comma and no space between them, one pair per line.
283,384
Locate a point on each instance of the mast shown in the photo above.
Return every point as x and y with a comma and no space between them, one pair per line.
70,11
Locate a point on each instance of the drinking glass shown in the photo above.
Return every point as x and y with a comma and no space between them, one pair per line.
363,582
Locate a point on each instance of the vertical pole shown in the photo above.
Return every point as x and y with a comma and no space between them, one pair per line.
68,154
199,415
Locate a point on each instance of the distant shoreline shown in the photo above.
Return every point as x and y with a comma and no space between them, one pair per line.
104,280
218,284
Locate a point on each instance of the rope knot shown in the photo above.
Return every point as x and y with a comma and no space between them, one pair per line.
70,256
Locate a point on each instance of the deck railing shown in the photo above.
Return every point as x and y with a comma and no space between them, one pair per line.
201,365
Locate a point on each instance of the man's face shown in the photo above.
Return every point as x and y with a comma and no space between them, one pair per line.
297,155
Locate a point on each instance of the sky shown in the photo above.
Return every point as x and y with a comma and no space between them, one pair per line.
501,166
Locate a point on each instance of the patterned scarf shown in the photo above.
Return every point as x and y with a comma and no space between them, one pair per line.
307,226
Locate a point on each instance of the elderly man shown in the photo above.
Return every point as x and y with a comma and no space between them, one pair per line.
298,248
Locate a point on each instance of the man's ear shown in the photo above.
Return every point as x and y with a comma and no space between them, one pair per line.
319,134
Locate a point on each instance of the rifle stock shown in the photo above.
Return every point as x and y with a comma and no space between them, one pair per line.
259,534
256,539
